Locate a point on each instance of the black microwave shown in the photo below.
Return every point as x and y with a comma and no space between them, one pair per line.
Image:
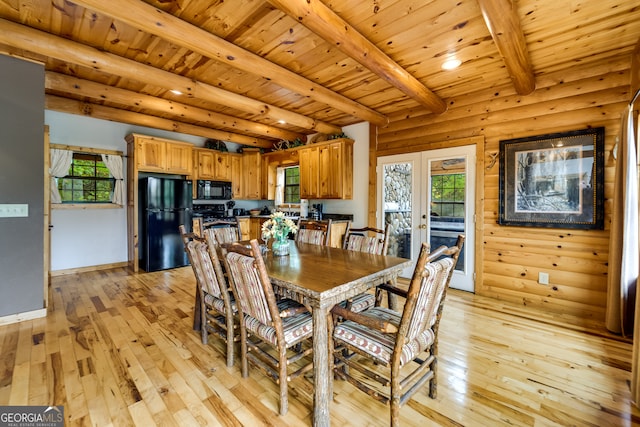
213,190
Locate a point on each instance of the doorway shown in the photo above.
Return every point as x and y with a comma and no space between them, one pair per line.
429,196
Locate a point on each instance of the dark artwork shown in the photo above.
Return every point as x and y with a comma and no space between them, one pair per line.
553,180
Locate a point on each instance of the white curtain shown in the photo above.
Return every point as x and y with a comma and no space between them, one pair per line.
624,253
114,164
60,164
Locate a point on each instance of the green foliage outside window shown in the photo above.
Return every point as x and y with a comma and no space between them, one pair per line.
88,180
447,194
292,185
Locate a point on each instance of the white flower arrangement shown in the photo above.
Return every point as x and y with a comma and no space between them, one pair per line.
278,227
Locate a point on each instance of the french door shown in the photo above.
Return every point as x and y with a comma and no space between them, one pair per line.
430,197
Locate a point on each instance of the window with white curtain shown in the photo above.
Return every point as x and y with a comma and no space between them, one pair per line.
86,176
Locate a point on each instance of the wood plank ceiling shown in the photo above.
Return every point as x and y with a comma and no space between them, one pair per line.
243,66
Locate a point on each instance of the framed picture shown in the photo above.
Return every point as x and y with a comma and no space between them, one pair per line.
554,180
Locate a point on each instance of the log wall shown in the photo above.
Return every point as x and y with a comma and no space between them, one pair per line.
510,258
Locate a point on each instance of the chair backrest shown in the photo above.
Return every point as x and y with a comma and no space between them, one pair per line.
222,232
207,269
250,282
367,239
426,294
316,232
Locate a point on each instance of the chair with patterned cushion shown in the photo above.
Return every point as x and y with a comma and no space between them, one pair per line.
274,335
402,346
217,306
369,240
223,231
315,232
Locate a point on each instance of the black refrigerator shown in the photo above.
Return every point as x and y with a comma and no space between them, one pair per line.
165,204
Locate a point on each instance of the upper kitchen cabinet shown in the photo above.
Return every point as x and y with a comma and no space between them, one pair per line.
212,164
154,154
326,170
309,172
246,176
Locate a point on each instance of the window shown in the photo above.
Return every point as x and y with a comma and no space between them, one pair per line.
292,185
447,194
88,180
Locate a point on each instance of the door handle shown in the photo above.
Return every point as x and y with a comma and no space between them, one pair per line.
423,226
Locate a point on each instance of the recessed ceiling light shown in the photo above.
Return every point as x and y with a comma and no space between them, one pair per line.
176,92
282,122
451,64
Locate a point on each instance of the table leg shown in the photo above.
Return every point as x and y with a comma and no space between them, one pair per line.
321,374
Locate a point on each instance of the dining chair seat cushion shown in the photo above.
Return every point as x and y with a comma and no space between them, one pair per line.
295,328
360,302
218,304
380,345
364,244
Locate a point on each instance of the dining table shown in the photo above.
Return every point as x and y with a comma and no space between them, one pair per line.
320,277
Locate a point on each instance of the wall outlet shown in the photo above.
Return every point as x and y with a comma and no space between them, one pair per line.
543,278
14,210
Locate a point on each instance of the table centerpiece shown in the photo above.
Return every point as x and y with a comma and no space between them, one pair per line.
278,227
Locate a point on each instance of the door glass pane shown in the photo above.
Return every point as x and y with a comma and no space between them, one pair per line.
447,207
397,194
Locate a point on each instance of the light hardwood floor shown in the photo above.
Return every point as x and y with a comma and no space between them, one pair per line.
118,349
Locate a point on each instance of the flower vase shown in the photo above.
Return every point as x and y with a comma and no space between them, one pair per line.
280,247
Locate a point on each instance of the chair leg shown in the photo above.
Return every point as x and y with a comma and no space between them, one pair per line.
203,325
433,383
243,350
230,343
284,384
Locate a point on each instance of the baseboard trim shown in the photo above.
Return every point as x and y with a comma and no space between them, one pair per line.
20,317
68,271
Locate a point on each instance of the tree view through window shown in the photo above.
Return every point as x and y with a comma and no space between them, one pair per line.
292,185
447,194
88,180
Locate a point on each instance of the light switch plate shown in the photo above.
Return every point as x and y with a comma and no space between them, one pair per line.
543,278
14,210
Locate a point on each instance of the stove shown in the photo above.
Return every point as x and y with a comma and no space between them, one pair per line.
210,212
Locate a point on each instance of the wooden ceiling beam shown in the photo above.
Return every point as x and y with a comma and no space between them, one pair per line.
96,111
23,37
504,25
144,16
314,15
99,92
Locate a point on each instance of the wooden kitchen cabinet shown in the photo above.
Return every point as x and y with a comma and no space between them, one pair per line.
309,172
161,155
244,228
212,165
255,228
326,170
246,176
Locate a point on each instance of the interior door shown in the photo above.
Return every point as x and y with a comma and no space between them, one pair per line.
430,197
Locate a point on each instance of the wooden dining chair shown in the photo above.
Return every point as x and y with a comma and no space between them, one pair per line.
267,325
217,306
403,346
223,231
369,240
316,232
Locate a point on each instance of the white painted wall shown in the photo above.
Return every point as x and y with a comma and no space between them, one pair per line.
93,237
358,205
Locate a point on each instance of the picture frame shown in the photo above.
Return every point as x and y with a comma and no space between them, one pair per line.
554,180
